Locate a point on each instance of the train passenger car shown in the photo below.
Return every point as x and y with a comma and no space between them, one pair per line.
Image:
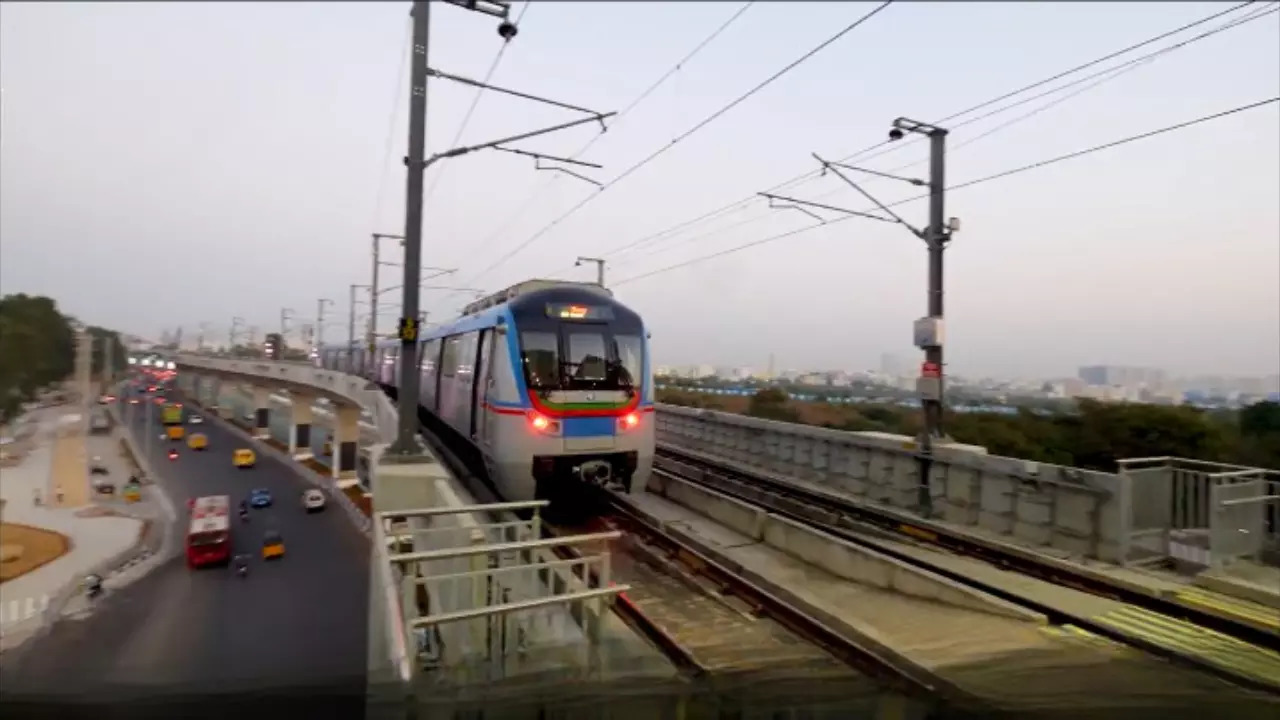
549,382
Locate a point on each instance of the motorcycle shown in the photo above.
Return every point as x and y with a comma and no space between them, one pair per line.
242,567
93,586
173,454
244,516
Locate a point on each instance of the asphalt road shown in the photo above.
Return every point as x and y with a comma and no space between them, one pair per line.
295,622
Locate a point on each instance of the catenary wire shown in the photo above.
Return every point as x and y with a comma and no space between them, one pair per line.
966,184
533,197
812,174
1099,78
475,102
683,136
380,197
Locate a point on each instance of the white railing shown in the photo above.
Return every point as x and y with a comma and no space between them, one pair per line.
479,584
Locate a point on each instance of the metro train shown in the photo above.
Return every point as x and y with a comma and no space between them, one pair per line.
548,383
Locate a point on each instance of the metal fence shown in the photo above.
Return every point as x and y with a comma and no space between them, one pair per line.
1199,513
463,598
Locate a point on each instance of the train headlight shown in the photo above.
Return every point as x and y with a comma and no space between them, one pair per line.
543,424
630,421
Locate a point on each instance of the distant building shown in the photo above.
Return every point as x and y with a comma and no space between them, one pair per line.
1115,375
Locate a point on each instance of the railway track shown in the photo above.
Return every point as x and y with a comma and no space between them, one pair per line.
722,634
725,634
866,527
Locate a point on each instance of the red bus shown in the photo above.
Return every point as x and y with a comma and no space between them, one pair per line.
209,537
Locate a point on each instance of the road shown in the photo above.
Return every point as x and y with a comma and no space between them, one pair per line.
300,621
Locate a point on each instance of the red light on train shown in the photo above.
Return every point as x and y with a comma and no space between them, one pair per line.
543,424
631,420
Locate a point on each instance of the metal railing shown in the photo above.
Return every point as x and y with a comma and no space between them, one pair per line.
469,594
1200,513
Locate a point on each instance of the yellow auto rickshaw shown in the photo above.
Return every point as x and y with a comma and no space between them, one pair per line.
244,458
175,432
132,492
272,545
197,441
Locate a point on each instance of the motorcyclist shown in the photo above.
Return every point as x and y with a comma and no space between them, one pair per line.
173,454
93,585
242,564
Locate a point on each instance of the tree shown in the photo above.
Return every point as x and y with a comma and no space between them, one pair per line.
772,404
37,348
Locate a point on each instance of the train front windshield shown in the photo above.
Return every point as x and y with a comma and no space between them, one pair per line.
582,356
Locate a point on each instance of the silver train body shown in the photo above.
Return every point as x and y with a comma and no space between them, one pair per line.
548,383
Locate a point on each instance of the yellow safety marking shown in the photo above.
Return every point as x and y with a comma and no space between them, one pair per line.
1080,636
1227,605
1194,641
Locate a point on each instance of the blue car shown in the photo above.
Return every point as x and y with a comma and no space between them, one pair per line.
260,498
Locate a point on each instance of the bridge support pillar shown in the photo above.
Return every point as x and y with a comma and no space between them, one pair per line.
215,398
261,412
300,428
346,439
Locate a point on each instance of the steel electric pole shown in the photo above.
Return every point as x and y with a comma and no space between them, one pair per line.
416,162
320,305
928,331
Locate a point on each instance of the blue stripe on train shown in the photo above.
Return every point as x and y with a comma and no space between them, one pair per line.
589,427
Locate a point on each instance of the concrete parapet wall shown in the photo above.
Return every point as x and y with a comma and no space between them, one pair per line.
1080,513
834,555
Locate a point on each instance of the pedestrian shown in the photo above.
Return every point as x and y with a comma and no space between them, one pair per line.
35,496
58,493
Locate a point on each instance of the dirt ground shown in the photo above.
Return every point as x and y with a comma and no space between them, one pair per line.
38,548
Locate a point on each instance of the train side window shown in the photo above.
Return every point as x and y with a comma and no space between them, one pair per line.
449,362
430,355
465,354
587,357
540,355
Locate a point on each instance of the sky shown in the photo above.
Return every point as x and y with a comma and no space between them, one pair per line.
173,164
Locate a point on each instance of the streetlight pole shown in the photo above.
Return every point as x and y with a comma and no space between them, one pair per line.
351,328
599,267
286,314
236,322
319,336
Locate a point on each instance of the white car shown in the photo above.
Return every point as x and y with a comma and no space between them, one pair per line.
313,500
195,420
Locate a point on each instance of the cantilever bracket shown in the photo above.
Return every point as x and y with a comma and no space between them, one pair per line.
597,116
790,206
895,217
539,157
455,152
808,203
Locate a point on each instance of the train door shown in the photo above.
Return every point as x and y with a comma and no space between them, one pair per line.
480,388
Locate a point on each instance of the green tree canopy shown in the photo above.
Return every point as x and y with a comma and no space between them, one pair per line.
38,347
